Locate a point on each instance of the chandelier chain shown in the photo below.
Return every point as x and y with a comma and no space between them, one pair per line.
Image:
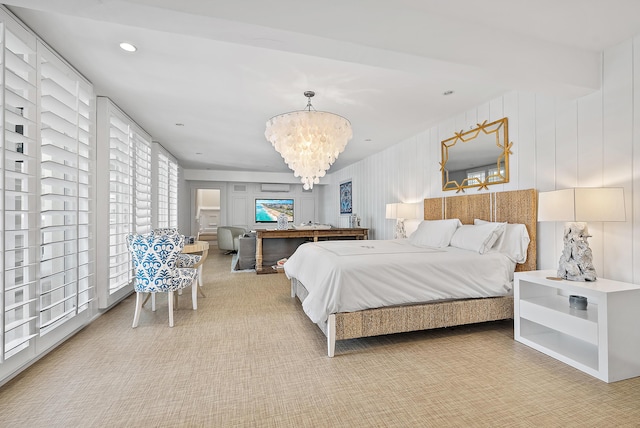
309,94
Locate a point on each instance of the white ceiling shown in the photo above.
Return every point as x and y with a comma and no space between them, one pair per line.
223,68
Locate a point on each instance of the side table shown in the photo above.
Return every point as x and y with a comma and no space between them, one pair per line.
603,340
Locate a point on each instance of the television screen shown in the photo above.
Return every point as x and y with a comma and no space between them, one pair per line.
268,210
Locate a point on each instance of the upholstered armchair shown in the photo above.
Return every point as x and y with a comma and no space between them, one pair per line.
228,238
154,263
184,260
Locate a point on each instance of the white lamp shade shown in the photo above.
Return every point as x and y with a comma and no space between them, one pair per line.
391,211
399,210
583,204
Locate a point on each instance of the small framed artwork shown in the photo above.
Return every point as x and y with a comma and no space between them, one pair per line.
346,199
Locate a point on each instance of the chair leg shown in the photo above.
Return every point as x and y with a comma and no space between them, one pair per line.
153,302
194,293
170,304
136,315
200,281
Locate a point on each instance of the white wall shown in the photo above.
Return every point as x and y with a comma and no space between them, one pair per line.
592,141
208,198
237,203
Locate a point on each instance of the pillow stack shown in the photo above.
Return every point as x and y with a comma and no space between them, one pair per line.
513,242
482,237
479,238
434,233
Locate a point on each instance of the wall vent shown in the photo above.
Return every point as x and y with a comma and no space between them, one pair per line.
239,187
272,187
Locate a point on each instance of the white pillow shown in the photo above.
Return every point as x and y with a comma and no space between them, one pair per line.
411,226
479,238
434,233
513,242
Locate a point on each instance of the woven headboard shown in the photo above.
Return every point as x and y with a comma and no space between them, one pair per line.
517,206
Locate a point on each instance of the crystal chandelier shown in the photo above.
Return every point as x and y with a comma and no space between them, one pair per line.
309,141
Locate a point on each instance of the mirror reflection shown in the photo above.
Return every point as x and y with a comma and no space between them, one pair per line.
476,158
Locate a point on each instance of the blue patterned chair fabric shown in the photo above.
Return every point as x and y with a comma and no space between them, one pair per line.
184,260
154,262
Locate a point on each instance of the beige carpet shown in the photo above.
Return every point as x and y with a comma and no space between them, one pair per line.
248,357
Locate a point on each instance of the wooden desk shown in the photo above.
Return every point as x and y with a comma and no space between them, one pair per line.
197,247
315,234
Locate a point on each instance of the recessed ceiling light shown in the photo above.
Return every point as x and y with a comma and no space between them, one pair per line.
447,92
128,47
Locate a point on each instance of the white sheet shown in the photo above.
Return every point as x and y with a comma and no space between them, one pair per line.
347,276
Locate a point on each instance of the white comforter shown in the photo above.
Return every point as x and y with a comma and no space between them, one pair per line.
347,276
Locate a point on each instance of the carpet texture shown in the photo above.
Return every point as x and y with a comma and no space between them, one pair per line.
249,357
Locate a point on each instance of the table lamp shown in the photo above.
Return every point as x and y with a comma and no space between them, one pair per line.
577,206
399,212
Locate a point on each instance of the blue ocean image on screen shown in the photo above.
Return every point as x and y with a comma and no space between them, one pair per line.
267,210
263,215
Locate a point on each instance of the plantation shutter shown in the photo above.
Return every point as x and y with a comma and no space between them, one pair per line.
121,201
163,191
18,180
65,137
142,160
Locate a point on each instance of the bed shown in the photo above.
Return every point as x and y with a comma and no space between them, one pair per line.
382,313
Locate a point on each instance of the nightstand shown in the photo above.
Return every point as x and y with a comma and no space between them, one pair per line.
603,340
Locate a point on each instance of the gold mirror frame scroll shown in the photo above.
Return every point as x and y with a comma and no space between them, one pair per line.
494,137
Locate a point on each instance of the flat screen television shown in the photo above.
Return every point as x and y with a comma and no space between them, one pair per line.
267,210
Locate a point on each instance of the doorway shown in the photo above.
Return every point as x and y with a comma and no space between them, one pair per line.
208,213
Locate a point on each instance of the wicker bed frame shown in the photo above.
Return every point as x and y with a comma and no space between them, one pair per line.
517,206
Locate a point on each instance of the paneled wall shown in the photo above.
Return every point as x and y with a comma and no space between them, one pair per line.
590,142
237,203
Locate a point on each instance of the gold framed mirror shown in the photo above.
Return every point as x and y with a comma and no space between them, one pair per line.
476,158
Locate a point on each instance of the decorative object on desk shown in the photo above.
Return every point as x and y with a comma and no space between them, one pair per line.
354,221
576,206
309,141
578,302
283,221
400,212
346,206
311,226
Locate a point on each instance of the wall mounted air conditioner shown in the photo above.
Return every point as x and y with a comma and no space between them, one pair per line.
271,187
